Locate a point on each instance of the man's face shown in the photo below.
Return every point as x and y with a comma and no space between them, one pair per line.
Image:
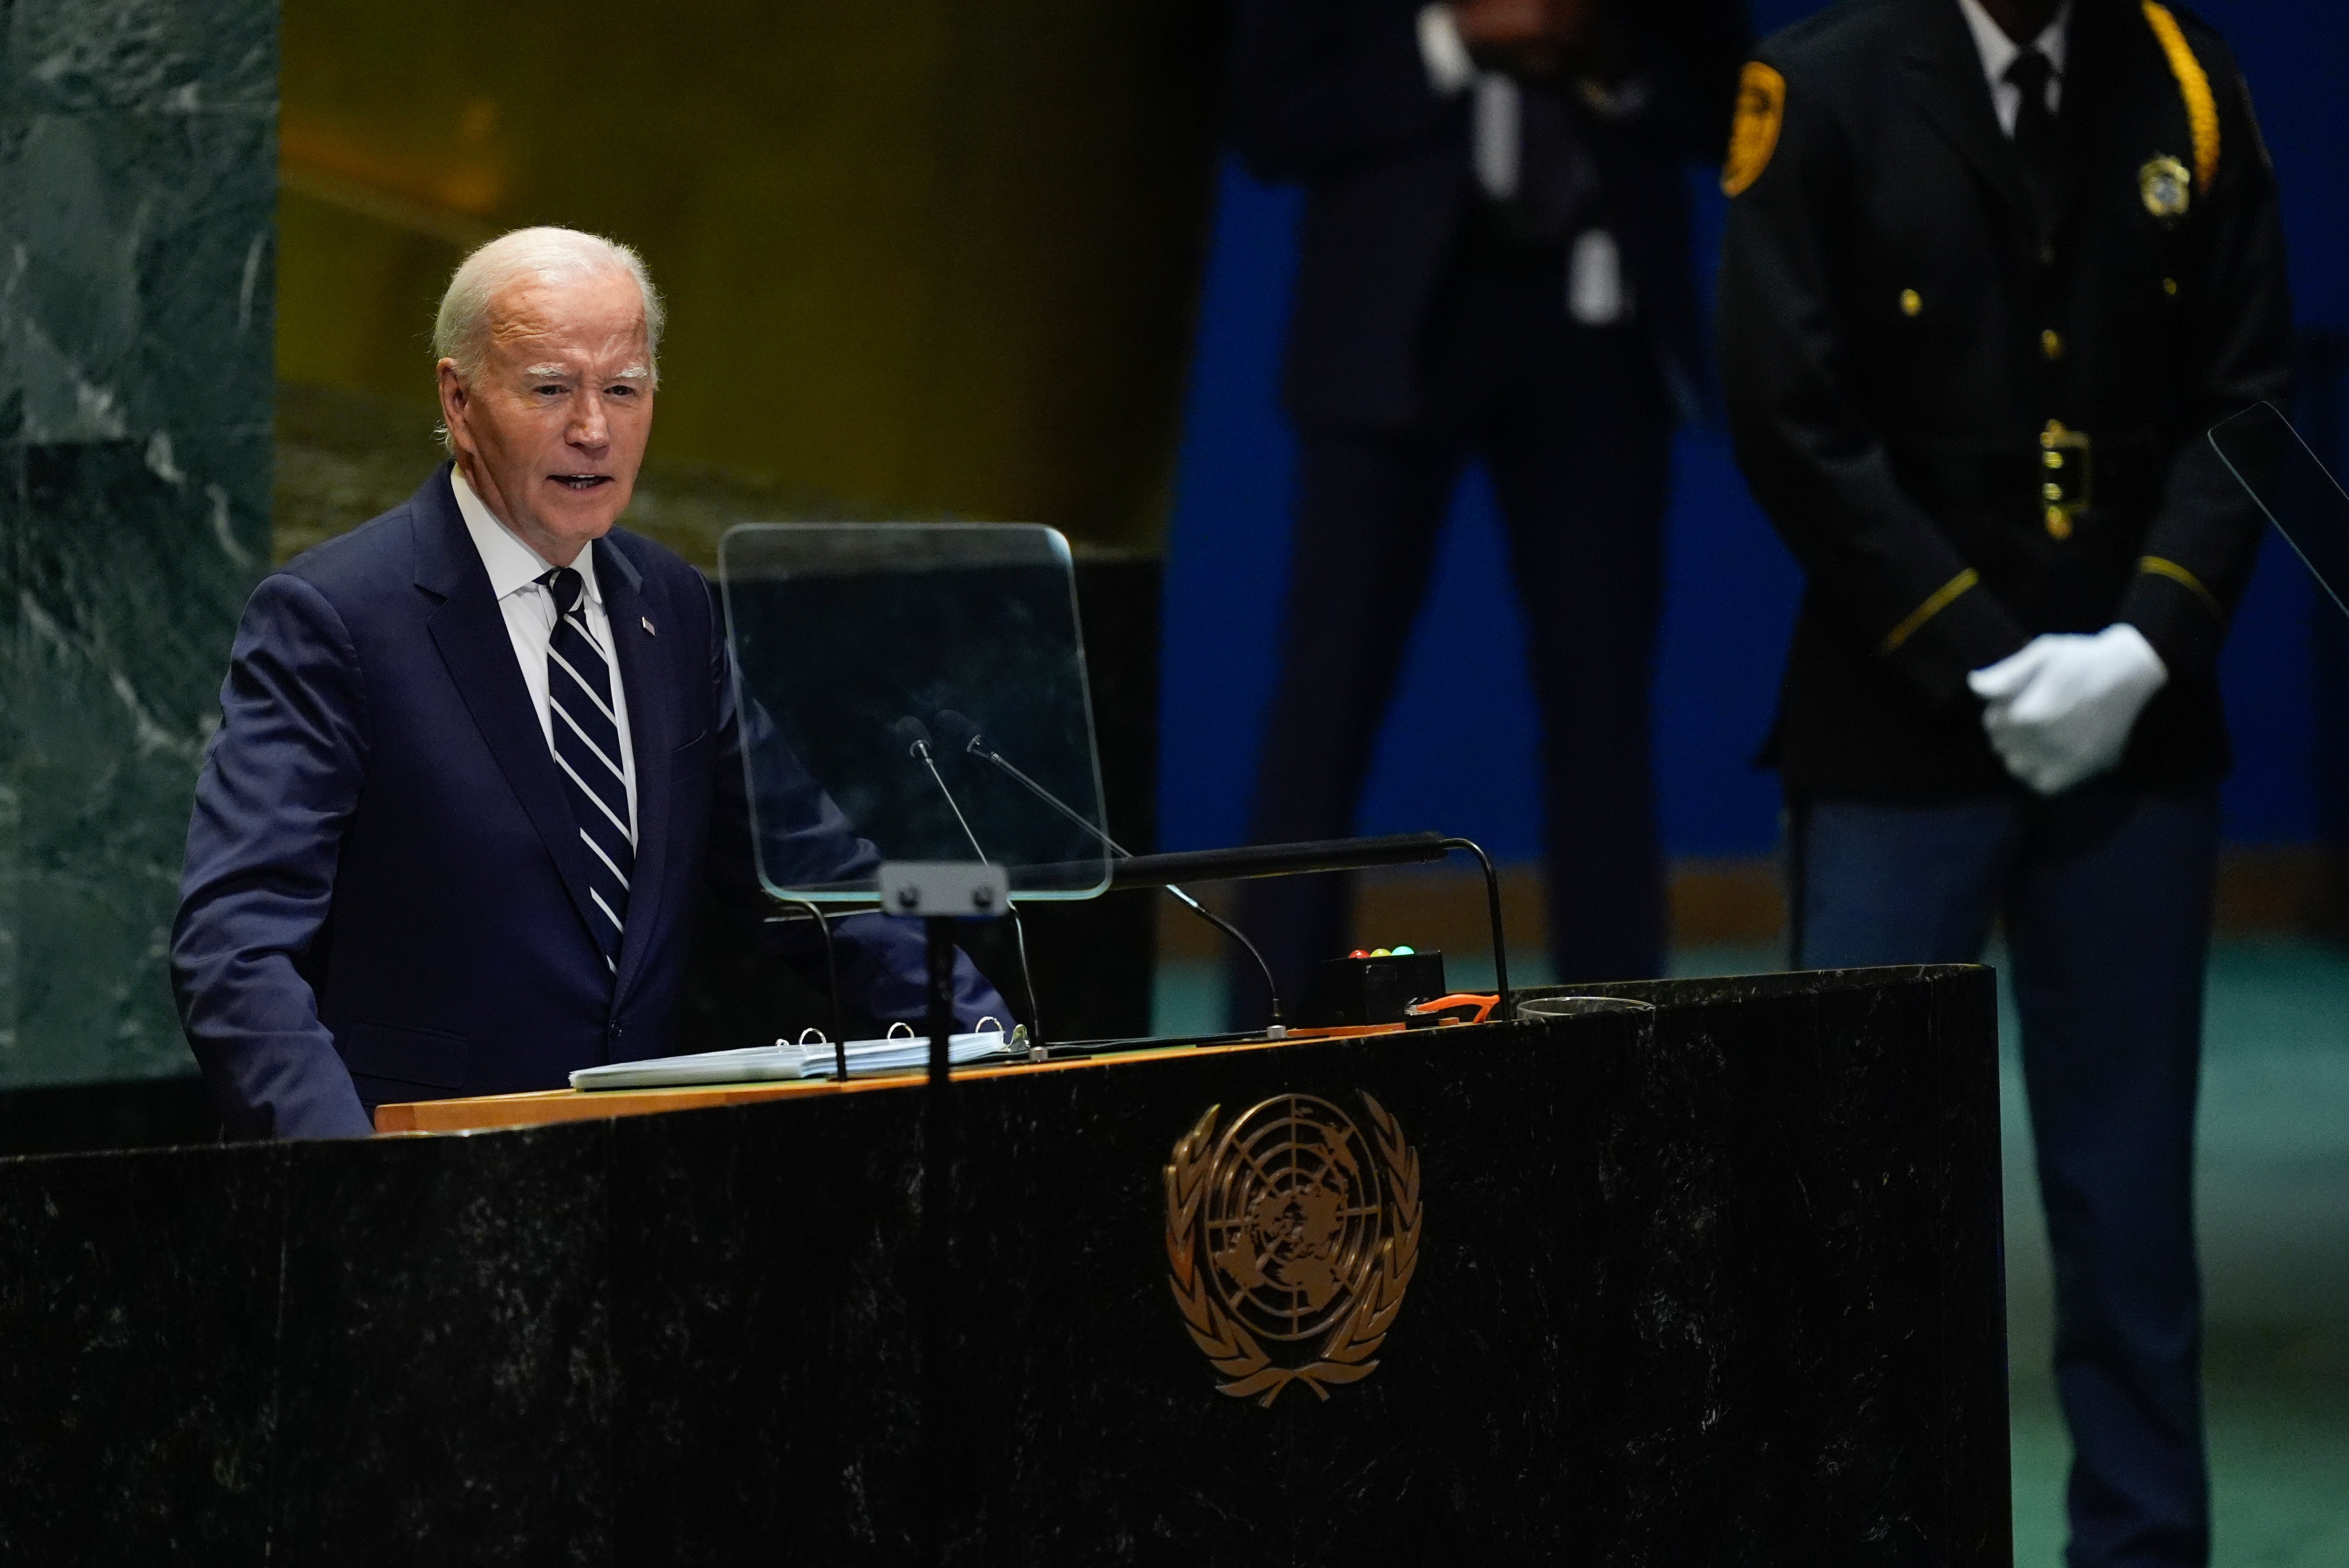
551,429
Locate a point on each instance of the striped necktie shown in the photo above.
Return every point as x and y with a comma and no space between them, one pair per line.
587,749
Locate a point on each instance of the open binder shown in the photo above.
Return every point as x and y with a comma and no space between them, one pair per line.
784,1061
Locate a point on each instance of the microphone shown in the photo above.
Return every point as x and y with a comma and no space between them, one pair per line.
911,733
962,735
915,736
958,732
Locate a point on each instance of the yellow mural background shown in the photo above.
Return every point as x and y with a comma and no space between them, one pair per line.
925,256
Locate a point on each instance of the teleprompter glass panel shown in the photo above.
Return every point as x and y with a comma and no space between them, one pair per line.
880,669
2305,503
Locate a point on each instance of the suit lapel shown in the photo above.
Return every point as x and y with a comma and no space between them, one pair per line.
651,720
1944,75
470,631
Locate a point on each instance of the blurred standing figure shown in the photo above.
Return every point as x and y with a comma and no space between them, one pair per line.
1994,269
1494,265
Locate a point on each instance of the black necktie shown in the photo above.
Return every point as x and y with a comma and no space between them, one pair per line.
587,752
2035,134
1555,180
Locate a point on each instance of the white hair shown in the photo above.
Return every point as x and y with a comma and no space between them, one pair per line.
461,332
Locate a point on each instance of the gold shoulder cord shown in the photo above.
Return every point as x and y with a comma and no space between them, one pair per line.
2194,87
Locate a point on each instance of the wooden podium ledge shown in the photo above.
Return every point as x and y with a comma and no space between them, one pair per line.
541,1107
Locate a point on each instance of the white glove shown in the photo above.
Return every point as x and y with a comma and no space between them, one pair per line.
2060,712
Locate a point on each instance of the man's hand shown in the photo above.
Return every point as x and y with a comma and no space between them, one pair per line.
1524,38
2060,712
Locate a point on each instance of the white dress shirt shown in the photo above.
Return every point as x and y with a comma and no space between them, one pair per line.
1997,52
514,569
1597,293
1450,71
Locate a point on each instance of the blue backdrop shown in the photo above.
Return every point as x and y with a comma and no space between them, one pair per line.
1458,753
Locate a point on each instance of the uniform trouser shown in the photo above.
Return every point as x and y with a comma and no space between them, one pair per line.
2105,896
1578,443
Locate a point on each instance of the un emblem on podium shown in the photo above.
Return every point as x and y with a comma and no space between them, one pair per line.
1292,1230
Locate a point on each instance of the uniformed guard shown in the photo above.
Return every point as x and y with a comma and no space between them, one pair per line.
1993,268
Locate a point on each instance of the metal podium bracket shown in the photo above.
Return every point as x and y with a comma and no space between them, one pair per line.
953,889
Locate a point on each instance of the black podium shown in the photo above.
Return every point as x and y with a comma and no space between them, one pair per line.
1715,1281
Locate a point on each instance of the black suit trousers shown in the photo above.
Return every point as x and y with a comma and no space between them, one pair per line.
1574,426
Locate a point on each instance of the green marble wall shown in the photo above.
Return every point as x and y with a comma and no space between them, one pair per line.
138,160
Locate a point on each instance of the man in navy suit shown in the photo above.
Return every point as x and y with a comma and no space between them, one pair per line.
1494,265
477,756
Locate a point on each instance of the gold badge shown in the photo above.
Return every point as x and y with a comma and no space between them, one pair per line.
1291,1228
2166,186
1761,109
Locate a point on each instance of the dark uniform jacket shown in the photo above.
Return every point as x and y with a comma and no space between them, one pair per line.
1333,93
1972,427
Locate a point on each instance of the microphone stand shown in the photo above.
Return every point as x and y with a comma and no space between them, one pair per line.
938,895
1324,855
953,724
941,1407
1492,909
832,980
1259,860
917,738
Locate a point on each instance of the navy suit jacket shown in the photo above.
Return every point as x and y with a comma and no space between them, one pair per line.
1333,93
385,896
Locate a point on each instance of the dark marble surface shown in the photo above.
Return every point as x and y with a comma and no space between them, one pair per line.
130,1113
451,1349
138,180
1714,1283
139,1363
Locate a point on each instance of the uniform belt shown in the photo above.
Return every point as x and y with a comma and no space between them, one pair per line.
2064,471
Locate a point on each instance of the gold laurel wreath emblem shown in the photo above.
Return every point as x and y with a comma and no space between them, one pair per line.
1348,1352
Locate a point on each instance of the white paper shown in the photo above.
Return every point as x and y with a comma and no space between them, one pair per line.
784,1061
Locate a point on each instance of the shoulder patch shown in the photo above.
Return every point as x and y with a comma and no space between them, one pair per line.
2194,87
1761,109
